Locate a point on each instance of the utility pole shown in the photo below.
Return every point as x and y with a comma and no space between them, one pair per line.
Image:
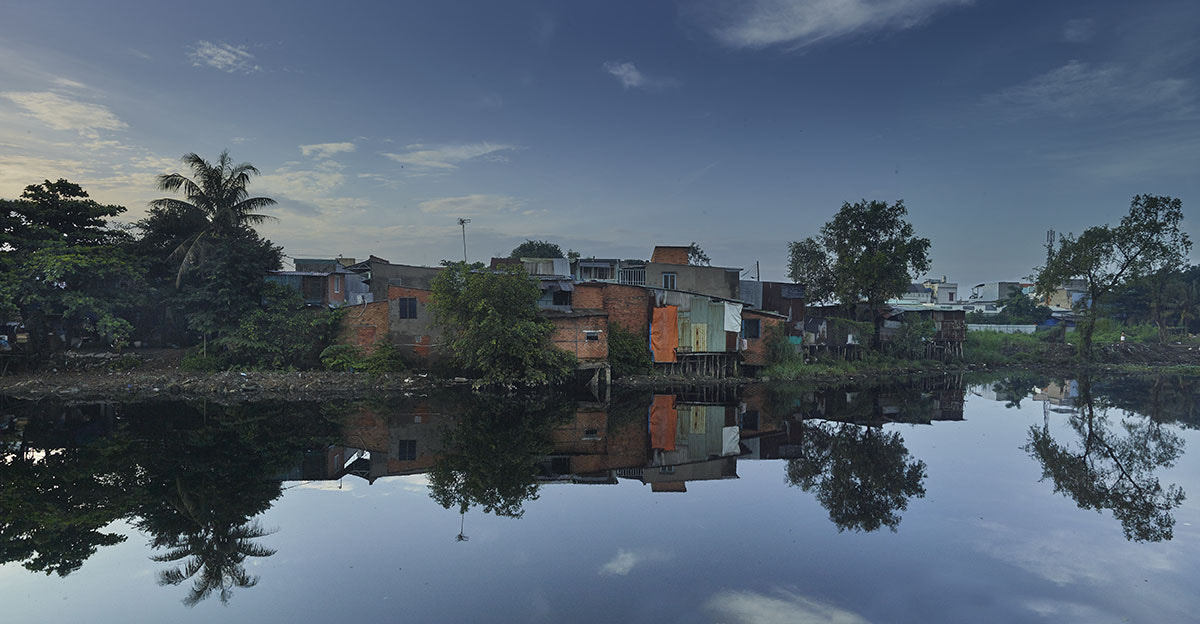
463,222
757,271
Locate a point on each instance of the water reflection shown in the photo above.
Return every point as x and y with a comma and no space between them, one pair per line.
1112,465
190,476
195,478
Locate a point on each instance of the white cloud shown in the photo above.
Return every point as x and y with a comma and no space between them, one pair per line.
325,150
796,24
747,607
1079,30
223,56
471,205
1080,90
631,77
626,560
70,84
64,113
450,156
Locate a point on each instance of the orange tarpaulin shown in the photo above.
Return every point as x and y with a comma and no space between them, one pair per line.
664,333
663,418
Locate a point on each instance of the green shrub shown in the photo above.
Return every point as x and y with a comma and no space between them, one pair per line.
195,360
342,357
628,353
385,358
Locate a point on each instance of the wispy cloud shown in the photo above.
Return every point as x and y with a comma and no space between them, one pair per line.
747,607
631,77
1079,30
450,156
325,150
68,83
1083,90
61,112
626,560
223,56
795,24
471,205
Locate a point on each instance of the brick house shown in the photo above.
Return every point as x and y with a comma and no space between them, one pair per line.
757,328
583,333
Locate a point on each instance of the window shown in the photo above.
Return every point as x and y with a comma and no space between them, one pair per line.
337,283
669,280
406,450
750,420
562,298
751,328
407,307
591,335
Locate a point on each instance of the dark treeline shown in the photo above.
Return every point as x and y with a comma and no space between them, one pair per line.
189,273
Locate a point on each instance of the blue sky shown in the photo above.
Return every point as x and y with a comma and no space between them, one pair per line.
610,127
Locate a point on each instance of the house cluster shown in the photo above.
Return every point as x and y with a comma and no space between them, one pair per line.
696,319
988,298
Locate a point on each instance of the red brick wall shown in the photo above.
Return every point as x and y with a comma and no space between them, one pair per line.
670,255
340,295
364,325
568,335
626,305
395,292
756,348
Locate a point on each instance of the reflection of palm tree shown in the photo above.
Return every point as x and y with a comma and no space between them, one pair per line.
462,531
215,548
214,557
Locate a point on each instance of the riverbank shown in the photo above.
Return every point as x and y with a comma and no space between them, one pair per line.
157,374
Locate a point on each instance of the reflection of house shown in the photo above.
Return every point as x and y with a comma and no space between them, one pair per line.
398,443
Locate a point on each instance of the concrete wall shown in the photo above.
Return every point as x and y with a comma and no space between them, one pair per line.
714,281
383,274
418,337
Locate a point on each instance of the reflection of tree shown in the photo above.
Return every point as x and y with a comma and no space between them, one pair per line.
208,478
54,508
1114,471
863,476
490,457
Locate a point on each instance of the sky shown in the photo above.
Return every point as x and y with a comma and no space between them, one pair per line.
610,127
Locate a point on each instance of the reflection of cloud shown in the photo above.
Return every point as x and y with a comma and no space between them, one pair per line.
747,607
449,156
626,560
63,113
223,56
801,23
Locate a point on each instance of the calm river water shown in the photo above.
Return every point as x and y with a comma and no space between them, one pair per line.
1022,499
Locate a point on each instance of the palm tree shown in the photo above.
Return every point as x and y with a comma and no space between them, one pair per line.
218,193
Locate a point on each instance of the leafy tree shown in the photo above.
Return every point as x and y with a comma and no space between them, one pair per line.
281,333
913,337
226,282
697,256
1148,239
862,475
868,251
216,200
537,249
494,328
60,264
628,352
1112,471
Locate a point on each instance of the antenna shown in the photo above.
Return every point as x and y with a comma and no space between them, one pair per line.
463,223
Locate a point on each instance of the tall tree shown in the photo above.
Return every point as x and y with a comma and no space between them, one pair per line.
697,256
217,193
537,249
495,328
868,251
1148,239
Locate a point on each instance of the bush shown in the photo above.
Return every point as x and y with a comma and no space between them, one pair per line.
911,340
281,333
342,357
628,353
385,358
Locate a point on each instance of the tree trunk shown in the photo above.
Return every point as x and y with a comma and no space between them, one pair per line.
1085,333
